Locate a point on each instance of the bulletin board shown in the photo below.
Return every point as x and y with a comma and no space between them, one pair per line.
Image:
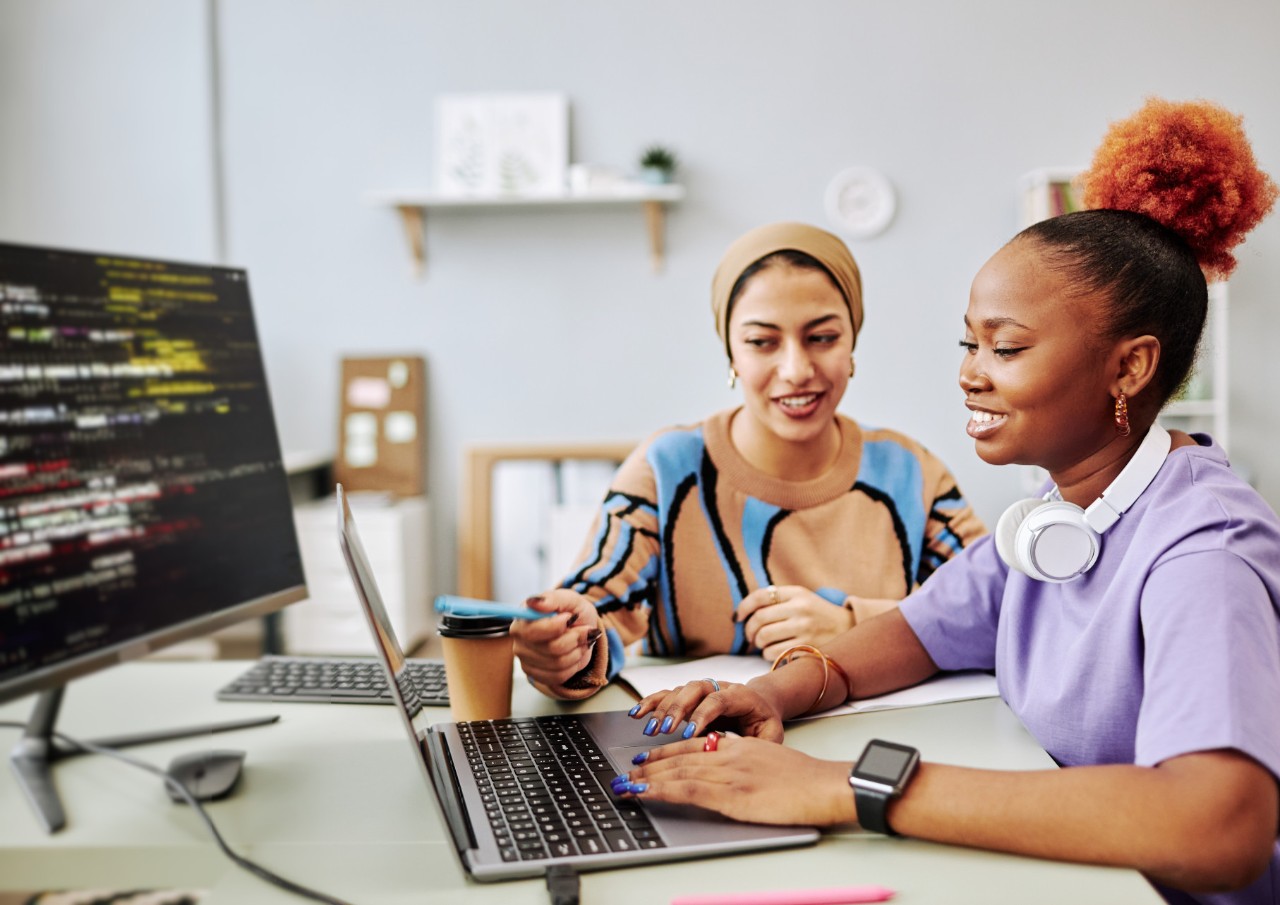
381,425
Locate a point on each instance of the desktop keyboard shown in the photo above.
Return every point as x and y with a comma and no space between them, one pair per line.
333,680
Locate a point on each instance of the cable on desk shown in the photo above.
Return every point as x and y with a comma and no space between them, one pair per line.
251,866
563,884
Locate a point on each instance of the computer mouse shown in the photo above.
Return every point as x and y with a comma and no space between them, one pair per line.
207,775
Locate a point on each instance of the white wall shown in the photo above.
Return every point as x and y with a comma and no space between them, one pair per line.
105,127
548,324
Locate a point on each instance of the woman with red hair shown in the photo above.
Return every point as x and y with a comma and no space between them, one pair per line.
1131,615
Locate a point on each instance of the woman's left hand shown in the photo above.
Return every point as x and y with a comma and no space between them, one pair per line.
747,779
780,617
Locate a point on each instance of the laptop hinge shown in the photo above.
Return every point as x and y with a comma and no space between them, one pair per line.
449,791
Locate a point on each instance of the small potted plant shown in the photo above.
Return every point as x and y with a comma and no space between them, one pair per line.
657,164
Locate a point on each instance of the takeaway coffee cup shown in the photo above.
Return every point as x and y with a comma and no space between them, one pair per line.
478,662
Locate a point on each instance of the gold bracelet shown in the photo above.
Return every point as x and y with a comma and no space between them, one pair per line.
848,686
783,659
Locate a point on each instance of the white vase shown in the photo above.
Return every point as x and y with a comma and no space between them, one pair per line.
655,175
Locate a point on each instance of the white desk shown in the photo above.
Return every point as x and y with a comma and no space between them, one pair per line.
331,797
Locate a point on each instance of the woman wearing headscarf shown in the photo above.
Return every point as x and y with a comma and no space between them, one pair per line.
774,523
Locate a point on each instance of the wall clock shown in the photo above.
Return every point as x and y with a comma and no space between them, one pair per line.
860,201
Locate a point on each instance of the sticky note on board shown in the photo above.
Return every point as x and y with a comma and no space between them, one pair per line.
400,427
362,425
361,447
368,393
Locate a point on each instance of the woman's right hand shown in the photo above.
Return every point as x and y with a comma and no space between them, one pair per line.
700,705
553,650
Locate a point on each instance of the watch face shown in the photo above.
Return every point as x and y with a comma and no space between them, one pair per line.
884,762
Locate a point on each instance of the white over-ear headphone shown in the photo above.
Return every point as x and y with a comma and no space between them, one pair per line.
1053,540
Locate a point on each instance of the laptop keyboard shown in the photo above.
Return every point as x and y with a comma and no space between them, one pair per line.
545,787
333,680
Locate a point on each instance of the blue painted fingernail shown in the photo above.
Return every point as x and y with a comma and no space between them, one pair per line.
634,710
651,727
639,758
635,788
620,779
689,730
667,724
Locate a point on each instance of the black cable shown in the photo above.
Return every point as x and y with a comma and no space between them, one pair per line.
563,884
172,782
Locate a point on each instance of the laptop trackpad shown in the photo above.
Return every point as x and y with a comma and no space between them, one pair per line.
681,823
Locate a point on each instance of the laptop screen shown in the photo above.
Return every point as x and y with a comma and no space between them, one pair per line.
406,696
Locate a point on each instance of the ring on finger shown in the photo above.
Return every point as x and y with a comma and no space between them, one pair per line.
712,741
773,596
714,683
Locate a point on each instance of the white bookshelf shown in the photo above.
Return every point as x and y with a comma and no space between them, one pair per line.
1046,192
1203,405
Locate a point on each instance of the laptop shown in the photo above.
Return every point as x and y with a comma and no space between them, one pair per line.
519,796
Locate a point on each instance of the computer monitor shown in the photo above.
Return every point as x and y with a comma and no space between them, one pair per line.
143,498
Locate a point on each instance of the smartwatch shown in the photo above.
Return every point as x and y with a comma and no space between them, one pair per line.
880,775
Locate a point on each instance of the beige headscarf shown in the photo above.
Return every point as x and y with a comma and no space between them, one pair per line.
763,241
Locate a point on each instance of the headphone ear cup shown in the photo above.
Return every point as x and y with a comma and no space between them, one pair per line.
1007,531
1055,543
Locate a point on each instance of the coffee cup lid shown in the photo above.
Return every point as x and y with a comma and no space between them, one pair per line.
455,626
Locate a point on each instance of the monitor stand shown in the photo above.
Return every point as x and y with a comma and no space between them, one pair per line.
34,756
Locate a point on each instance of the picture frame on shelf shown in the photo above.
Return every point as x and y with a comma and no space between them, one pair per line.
491,144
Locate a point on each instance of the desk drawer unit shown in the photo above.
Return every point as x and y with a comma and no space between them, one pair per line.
395,535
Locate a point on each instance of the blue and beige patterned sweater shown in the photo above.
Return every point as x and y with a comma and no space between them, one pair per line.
688,528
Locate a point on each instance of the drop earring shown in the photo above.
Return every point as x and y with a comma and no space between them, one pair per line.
851,365
733,377
1122,415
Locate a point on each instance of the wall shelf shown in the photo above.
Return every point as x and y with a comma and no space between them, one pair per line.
414,205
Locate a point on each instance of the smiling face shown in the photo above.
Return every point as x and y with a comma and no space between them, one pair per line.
1037,377
791,338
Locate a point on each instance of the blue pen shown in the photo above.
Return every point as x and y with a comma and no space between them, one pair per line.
465,606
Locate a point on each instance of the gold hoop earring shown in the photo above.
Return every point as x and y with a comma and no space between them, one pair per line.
851,364
733,377
1122,416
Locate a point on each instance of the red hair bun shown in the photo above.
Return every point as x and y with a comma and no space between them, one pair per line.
1188,166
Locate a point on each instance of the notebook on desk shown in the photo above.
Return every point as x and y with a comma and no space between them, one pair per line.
521,795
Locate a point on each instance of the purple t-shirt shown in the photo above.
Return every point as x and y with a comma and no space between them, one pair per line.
1169,645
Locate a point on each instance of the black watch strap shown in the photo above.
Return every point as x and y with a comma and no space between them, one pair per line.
872,810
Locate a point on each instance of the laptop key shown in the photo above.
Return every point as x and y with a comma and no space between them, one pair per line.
619,842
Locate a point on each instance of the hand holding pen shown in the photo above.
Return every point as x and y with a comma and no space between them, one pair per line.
466,606
554,649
